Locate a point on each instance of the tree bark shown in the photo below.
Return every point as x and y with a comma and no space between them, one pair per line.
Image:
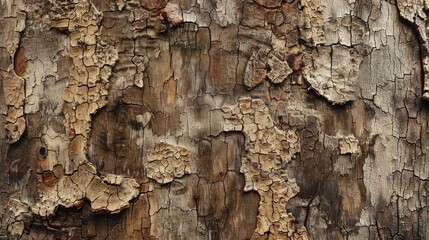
253,119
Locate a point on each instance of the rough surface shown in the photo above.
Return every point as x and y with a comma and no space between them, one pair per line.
68,179
17,217
13,87
264,119
414,12
13,22
263,65
167,162
333,73
269,151
348,144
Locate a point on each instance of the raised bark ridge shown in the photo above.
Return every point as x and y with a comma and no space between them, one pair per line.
414,12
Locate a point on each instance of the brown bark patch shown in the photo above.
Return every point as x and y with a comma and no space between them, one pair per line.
20,63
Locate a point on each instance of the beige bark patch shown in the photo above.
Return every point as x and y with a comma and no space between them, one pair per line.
269,149
279,69
173,14
13,84
167,162
348,144
18,215
86,92
333,73
13,87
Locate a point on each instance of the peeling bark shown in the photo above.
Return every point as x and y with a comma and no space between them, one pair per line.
269,151
138,119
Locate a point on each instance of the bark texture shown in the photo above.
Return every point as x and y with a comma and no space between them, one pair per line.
228,119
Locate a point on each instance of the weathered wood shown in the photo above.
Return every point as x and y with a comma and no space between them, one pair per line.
264,119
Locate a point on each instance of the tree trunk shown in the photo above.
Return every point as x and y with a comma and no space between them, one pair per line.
229,119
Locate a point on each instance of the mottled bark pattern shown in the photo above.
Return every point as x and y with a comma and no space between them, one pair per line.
197,119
